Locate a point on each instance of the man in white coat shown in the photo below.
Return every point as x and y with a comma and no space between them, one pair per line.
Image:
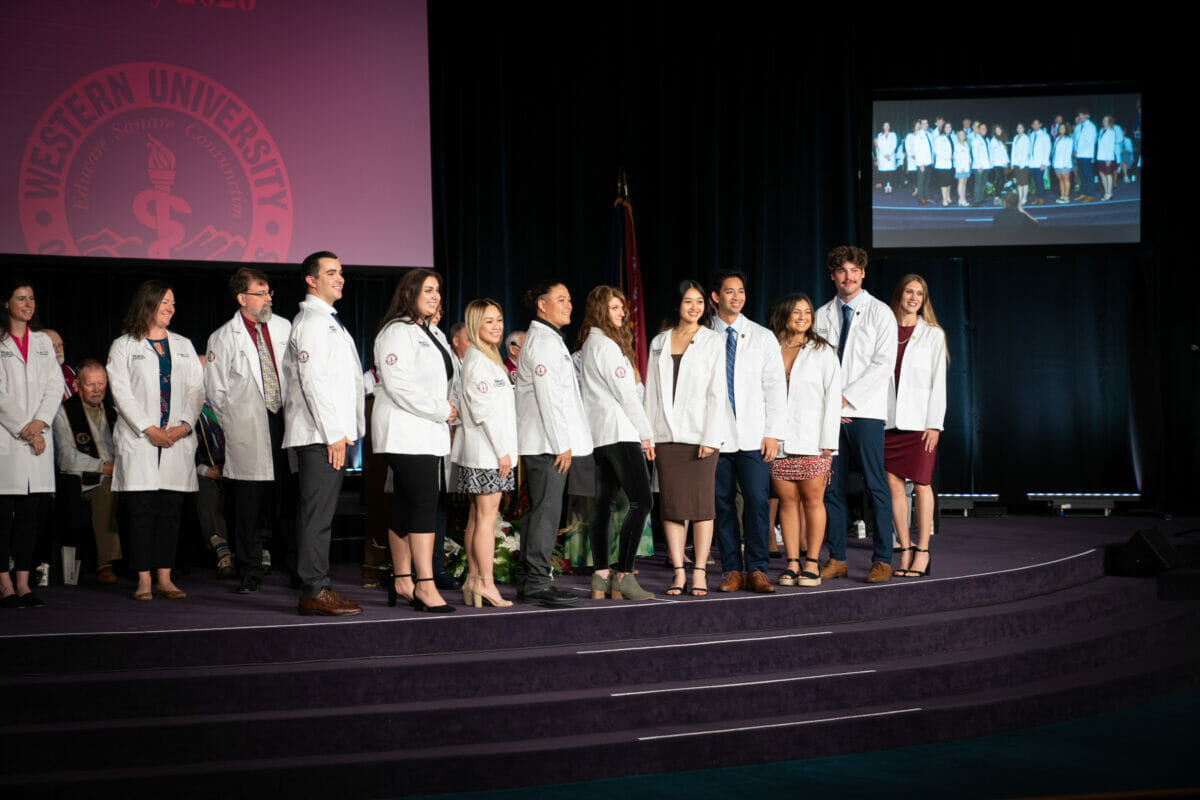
756,410
323,414
551,430
244,382
863,329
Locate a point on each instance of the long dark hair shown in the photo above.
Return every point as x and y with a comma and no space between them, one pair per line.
10,286
596,316
672,317
404,299
141,310
781,312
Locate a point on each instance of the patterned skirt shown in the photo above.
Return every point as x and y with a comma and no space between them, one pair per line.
474,480
800,468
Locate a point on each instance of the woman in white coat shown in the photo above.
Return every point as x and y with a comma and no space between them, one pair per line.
411,425
916,410
687,403
485,448
814,420
1063,162
621,437
157,387
30,394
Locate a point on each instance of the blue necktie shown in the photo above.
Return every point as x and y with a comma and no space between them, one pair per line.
847,316
730,358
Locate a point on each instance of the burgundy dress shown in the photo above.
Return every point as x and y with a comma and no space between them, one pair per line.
904,453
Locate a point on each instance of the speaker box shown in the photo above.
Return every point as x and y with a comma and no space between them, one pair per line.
1146,554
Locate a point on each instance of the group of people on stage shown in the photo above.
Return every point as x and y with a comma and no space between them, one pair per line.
929,161
726,408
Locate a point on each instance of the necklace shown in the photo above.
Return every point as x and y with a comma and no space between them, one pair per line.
789,345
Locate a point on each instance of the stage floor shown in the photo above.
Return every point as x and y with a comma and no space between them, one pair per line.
966,549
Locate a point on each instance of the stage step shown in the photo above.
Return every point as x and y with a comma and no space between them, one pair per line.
495,718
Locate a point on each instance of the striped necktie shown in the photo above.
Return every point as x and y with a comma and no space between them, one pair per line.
730,359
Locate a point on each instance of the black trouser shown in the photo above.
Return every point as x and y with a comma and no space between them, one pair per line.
251,498
620,466
153,528
18,529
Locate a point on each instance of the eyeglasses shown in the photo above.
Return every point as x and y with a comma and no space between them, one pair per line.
267,293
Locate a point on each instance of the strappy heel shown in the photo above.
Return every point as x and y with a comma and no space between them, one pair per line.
699,591
481,598
676,591
392,593
904,572
788,576
470,596
912,573
809,578
444,608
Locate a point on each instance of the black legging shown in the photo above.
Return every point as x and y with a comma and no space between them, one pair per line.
18,529
620,466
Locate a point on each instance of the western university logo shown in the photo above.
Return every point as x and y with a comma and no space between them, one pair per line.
151,160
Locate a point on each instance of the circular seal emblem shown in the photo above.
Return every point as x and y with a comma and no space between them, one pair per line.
154,160
82,438
539,370
211,356
303,357
482,386
391,359
620,372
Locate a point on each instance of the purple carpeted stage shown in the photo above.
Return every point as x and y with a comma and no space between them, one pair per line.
1018,626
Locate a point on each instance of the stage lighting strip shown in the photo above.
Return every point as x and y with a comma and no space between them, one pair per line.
1120,495
744,683
779,724
704,643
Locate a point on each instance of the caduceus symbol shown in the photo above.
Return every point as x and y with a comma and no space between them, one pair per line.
153,207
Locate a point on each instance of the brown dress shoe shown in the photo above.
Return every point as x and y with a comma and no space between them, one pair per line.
834,569
106,575
880,572
327,604
757,582
733,581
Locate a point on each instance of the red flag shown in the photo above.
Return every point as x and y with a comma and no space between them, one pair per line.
631,276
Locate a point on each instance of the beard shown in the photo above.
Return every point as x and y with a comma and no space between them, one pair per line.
264,315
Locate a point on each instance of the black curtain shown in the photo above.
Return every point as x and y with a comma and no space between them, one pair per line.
744,138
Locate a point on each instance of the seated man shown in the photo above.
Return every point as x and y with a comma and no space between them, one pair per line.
83,445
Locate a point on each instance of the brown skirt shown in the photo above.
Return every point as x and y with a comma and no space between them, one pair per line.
685,482
904,456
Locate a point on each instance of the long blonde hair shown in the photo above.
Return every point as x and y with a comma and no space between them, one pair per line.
926,310
473,319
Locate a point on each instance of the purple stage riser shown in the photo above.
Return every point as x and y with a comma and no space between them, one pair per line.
294,687
1002,669
589,758
494,631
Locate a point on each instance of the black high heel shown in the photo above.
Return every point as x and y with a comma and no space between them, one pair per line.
903,572
445,608
788,576
676,591
807,578
392,593
912,573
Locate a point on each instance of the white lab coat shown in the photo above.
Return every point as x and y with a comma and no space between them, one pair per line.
550,417
610,393
1085,140
814,410
412,400
962,156
701,417
869,357
759,386
488,413
324,378
234,385
1106,145
133,380
919,403
997,152
885,149
1063,153
1039,157
943,152
29,390
1022,153
980,157
70,459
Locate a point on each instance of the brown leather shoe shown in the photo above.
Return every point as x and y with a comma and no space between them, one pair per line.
880,572
733,581
106,575
834,569
327,604
757,582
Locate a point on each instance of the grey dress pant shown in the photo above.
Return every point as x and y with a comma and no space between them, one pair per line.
320,485
546,488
